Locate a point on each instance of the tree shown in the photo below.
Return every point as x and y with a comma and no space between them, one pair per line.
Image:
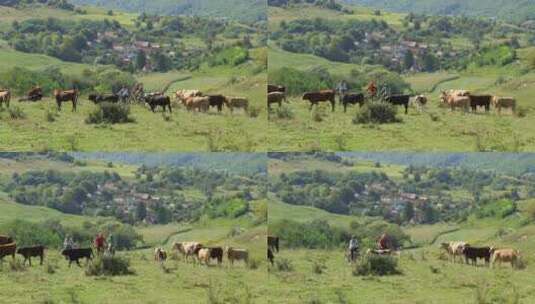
141,212
408,212
141,60
408,60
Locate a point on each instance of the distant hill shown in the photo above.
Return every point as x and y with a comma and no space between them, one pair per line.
517,10
249,10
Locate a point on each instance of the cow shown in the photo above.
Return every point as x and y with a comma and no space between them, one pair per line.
183,95
322,96
273,242
480,101
399,100
217,101
505,255
203,255
454,249
5,239
98,98
187,249
270,256
155,100
455,101
160,255
74,255
275,88
5,98
201,104
504,102
237,103
29,252
419,101
66,96
473,253
216,253
35,94
276,97
352,98
8,249
237,254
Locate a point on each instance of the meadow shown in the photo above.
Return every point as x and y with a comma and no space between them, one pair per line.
295,128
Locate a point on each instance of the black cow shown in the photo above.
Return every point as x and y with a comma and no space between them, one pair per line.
480,101
217,101
273,243
216,253
158,100
399,100
29,252
5,239
98,98
275,88
473,253
270,256
352,98
74,255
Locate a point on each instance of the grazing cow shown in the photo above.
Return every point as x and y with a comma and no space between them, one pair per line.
201,104
504,102
322,96
454,249
237,254
8,249
473,253
480,101
352,98
276,97
238,103
74,255
399,100
187,249
505,255
275,88
217,101
5,97
155,100
203,255
273,242
66,96
216,253
455,101
160,255
419,101
183,95
4,239
29,252
270,256
35,94
98,98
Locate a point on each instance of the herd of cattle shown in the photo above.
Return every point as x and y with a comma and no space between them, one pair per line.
453,98
195,251
192,100
489,254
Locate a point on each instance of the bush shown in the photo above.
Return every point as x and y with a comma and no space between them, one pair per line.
376,112
298,82
284,113
108,266
16,113
283,264
50,116
253,112
253,264
376,265
110,113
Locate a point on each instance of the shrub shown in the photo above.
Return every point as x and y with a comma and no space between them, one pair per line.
50,116
109,266
376,112
283,264
16,113
253,112
376,265
253,264
319,267
284,113
110,113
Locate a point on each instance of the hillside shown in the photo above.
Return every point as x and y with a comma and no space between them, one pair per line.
516,10
241,9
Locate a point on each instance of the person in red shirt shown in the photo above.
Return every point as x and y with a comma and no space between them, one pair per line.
384,242
372,89
100,243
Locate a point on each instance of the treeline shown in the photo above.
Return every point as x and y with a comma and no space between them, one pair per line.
319,234
423,195
155,196
51,233
61,4
328,4
317,78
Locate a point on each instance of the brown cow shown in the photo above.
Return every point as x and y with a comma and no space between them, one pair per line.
5,97
455,101
29,252
66,96
504,102
35,94
237,102
480,101
237,254
201,104
8,249
505,255
273,242
322,96
276,97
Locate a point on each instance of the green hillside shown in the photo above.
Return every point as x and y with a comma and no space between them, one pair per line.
241,9
510,9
